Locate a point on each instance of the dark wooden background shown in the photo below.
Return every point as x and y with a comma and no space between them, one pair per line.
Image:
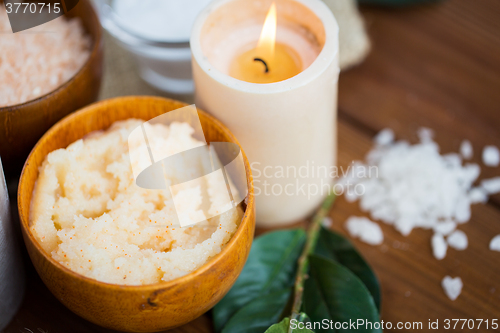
432,65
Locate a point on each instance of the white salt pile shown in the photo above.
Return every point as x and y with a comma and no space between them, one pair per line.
414,186
39,60
452,287
491,156
364,229
495,243
411,186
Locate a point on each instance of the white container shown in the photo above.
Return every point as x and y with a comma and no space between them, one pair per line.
286,126
11,265
157,33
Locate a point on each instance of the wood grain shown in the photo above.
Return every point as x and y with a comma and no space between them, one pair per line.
435,65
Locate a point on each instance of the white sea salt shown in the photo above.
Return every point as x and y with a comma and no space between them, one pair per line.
452,287
384,137
491,156
415,186
478,195
445,227
425,134
458,240
364,229
466,149
439,246
327,222
492,185
495,243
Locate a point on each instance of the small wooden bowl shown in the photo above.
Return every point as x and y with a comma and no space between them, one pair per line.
23,124
146,308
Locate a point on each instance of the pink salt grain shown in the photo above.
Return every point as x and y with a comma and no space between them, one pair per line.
37,61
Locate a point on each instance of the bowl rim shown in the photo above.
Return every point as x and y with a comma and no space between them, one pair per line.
96,45
24,220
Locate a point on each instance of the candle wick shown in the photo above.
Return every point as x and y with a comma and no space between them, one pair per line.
262,61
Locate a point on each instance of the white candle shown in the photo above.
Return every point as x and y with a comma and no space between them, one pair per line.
287,128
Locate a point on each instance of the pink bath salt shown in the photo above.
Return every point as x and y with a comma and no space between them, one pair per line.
37,61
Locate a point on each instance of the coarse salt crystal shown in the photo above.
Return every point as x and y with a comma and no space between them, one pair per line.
466,149
495,243
492,185
439,246
478,195
458,240
425,134
351,195
445,227
364,229
384,137
491,156
327,222
452,287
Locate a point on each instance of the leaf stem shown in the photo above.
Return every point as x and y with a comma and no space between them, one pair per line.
303,262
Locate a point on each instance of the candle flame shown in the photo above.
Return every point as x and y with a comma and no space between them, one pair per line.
267,38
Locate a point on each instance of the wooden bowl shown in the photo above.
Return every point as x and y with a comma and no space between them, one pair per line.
23,124
146,308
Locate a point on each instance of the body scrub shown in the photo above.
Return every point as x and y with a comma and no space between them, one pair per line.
89,214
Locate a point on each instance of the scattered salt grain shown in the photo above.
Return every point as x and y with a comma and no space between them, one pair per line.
327,222
39,60
425,134
478,195
491,156
366,230
445,228
408,293
384,137
458,240
439,246
492,185
350,195
452,287
466,150
495,243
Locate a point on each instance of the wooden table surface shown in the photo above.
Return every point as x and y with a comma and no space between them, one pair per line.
435,65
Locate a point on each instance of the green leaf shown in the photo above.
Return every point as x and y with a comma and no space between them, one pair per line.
271,266
333,292
258,314
282,327
337,248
